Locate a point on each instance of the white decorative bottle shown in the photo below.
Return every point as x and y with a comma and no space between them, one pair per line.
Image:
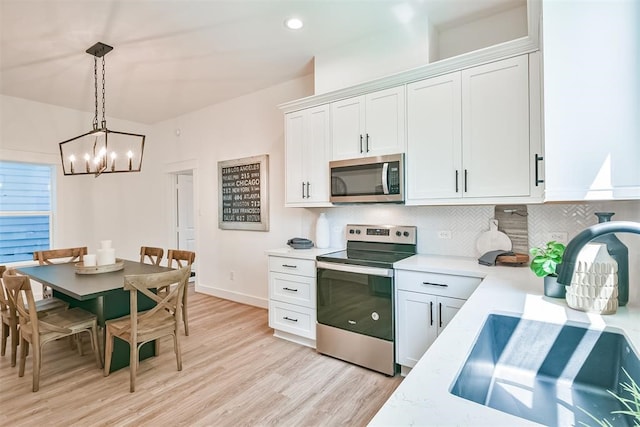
323,236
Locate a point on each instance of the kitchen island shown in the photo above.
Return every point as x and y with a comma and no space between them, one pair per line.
423,398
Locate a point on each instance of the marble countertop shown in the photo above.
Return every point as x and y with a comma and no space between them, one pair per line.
289,252
423,397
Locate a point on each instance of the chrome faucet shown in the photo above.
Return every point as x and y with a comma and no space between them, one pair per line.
568,264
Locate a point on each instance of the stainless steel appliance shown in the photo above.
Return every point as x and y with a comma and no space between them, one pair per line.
370,179
355,295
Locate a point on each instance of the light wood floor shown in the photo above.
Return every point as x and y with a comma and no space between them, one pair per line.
235,373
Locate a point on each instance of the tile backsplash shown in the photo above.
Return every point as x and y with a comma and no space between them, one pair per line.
465,223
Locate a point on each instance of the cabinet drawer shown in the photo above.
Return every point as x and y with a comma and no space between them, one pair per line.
303,267
447,285
293,319
293,289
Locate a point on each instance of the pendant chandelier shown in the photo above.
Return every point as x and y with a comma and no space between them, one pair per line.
101,150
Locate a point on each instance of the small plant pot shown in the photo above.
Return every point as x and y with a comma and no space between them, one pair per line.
552,288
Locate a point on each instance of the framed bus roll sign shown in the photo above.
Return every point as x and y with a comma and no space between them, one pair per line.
243,199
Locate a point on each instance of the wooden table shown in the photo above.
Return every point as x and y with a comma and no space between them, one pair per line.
102,294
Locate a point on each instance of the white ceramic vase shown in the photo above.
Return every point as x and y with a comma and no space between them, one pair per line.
323,233
594,285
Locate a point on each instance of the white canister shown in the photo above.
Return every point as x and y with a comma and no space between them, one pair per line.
323,234
106,256
594,284
89,260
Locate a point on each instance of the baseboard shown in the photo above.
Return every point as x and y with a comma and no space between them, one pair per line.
233,296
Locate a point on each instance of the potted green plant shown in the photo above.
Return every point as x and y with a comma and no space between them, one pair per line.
545,263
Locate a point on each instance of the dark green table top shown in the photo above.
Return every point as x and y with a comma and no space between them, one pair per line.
63,278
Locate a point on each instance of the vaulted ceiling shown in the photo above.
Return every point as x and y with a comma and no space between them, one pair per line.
171,57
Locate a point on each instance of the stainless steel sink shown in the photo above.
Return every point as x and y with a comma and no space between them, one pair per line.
548,373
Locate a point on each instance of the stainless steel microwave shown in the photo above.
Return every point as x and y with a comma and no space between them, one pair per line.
368,180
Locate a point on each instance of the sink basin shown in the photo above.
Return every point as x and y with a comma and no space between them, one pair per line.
548,373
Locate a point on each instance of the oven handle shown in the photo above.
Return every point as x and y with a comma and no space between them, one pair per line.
358,269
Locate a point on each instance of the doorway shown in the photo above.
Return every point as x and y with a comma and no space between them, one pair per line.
185,229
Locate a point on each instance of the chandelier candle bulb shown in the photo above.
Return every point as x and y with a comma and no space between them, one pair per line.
130,156
113,161
72,158
86,159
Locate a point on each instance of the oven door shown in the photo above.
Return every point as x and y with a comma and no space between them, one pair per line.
356,298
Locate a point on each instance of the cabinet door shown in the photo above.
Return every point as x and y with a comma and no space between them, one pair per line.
447,309
385,122
434,138
347,128
307,151
317,155
417,327
495,129
294,156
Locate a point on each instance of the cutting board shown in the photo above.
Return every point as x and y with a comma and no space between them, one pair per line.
492,240
515,259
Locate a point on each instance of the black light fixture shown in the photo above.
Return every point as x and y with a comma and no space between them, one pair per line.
101,150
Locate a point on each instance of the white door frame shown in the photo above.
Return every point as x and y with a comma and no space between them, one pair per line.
172,170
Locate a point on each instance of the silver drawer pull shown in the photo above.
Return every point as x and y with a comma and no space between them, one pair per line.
288,318
442,285
290,289
289,266
352,322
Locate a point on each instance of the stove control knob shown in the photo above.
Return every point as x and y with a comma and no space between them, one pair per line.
406,234
351,231
357,231
398,233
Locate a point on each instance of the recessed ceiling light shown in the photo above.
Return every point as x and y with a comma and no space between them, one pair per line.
294,23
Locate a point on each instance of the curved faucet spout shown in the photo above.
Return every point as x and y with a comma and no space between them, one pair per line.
568,264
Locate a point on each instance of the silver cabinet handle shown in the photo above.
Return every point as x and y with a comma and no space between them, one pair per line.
290,289
442,285
308,187
465,180
457,189
289,266
440,313
367,145
303,189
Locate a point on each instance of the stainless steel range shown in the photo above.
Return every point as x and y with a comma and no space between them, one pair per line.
355,291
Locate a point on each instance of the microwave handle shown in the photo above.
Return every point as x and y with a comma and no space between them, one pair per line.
385,178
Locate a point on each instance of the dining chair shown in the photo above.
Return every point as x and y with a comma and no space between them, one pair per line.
55,256
151,254
182,259
38,331
151,325
9,318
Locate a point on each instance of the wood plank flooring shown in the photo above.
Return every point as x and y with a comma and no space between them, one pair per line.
235,373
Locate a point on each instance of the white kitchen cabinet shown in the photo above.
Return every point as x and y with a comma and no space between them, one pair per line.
591,100
469,134
292,299
426,303
369,125
307,152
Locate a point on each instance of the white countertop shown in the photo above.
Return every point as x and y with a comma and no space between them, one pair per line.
423,397
289,252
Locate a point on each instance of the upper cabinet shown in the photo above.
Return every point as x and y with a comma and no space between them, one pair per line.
469,135
369,125
591,100
307,151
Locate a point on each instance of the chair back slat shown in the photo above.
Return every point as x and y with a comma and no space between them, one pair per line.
18,289
4,301
171,301
151,254
54,256
182,258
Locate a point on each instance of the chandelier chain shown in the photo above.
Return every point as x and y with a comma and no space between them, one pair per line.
95,86
104,120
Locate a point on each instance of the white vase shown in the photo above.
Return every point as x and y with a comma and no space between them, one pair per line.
594,284
323,236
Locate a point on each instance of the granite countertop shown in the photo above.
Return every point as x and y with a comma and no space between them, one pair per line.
423,397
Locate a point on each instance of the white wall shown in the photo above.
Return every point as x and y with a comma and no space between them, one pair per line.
87,209
372,57
489,31
247,126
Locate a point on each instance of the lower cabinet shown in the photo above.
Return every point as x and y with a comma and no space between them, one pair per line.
425,304
292,299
